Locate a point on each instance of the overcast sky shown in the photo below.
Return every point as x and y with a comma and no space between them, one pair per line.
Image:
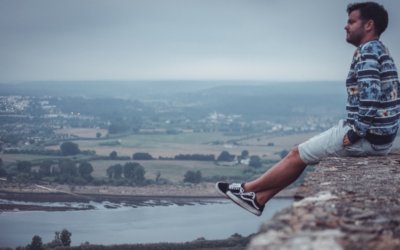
269,40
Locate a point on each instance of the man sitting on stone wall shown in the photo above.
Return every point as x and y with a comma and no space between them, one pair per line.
373,110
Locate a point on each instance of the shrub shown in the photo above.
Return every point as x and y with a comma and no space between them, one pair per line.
142,156
65,237
69,148
225,156
195,157
85,170
134,172
192,176
36,243
113,155
24,166
255,161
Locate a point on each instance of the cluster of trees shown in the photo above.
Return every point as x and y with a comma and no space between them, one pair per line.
226,156
68,171
61,239
142,156
67,148
132,172
136,156
75,172
62,171
195,157
254,160
235,241
33,151
193,176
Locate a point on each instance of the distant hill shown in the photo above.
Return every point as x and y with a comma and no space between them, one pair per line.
145,89
254,99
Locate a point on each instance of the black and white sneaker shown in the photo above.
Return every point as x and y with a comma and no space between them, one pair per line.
224,187
247,201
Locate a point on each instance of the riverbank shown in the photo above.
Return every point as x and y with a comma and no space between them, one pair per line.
346,203
29,201
132,196
235,242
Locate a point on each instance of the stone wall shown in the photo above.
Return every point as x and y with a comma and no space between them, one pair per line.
346,203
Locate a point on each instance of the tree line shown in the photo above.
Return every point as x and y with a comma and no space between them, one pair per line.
61,239
67,171
69,148
131,172
61,171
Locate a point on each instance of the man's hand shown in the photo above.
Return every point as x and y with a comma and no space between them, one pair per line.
346,140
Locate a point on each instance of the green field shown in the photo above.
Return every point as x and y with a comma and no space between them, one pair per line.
13,158
173,170
157,140
165,145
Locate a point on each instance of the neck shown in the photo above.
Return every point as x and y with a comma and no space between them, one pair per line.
369,38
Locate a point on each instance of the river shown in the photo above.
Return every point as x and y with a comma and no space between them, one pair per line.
211,219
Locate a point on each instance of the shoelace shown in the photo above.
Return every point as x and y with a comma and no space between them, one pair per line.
237,187
251,194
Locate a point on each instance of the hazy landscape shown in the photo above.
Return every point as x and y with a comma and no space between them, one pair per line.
120,140
159,141
162,119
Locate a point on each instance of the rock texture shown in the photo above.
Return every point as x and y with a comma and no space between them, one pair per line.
346,203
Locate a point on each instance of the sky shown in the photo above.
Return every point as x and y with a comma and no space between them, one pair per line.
268,40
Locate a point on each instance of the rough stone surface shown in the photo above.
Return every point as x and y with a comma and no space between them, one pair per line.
346,203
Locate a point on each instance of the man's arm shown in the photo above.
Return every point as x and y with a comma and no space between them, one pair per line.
346,140
368,79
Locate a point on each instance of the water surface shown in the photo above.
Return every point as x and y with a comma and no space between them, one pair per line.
147,224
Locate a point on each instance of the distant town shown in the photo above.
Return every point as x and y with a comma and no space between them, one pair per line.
31,120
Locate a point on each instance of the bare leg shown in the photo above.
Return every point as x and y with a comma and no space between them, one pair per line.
277,178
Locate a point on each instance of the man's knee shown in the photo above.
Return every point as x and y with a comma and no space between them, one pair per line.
294,155
294,152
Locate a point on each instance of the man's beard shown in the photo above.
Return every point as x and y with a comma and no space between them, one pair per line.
354,38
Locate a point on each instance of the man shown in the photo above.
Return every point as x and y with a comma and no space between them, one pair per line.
373,110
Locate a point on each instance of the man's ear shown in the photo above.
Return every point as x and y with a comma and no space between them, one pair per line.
370,25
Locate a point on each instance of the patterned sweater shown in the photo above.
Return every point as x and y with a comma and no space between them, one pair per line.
373,104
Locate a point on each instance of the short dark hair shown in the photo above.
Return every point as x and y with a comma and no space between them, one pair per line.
372,11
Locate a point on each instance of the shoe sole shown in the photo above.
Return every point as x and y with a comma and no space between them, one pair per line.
219,191
242,204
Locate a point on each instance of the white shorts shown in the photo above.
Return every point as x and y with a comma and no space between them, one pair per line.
330,143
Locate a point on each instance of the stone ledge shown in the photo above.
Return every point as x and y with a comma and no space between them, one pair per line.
346,203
